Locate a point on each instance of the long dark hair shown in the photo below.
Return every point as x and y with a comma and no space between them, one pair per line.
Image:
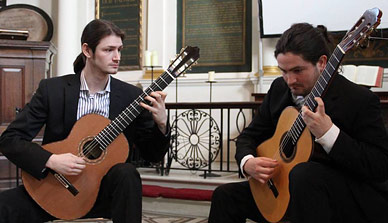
306,41
92,35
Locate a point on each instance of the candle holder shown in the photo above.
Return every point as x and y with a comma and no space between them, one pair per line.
209,172
152,71
210,89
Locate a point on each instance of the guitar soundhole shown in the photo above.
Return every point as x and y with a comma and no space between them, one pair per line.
91,150
287,149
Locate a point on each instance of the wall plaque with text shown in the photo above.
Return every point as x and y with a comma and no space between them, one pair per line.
221,29
126,14
373,51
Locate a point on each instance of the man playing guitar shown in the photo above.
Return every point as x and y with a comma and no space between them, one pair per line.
58,103
344,179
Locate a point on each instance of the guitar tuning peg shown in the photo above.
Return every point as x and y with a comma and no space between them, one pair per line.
181,51
172,59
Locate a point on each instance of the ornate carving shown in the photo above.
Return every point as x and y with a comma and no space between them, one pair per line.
194,135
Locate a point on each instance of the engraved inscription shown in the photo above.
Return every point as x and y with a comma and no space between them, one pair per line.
126,14
217,28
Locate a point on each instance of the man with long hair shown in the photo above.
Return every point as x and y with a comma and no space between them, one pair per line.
58,103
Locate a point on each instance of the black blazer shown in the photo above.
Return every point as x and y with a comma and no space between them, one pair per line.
55,105
361,149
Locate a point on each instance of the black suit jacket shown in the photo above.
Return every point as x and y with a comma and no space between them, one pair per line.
55,105
361,149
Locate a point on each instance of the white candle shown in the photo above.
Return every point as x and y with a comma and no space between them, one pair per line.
147,58
211,75
154,58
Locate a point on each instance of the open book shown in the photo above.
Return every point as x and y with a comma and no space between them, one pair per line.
371,76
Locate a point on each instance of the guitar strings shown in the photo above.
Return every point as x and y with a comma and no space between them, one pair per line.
105,132
294,130
109,129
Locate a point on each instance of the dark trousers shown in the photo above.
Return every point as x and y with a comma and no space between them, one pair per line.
119,198
318,194
233,203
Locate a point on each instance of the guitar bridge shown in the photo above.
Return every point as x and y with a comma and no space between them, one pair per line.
66,183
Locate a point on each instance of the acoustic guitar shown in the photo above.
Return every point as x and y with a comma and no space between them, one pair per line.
102,144
292,142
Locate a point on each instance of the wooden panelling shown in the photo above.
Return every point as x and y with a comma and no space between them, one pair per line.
12,92
8,174
22,65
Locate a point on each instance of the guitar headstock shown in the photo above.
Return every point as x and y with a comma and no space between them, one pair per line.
361,30
187,57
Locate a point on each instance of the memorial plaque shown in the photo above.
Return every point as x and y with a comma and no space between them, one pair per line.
221,29
127,15
22,17
373,51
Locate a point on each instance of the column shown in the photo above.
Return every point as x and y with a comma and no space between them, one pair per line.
68,36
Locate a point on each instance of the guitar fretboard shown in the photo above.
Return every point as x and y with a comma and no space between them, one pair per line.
128,115
318,90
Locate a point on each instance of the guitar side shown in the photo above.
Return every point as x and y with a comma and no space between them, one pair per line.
52,196
271,207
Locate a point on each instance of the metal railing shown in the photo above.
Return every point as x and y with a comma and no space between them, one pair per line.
203,136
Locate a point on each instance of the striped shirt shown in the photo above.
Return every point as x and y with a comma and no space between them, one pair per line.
97,103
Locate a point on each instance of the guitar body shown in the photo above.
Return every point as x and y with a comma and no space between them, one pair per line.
271,207
52,196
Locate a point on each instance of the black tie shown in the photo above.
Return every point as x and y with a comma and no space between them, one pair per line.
299,101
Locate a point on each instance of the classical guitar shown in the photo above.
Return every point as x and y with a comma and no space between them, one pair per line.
292,142
102,144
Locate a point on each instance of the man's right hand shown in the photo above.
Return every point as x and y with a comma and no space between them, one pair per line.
66,164
261,168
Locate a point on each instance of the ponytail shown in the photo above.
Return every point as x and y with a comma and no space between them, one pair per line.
79,63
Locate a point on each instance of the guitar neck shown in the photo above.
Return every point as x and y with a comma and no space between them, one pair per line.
318,90
129,114
325,78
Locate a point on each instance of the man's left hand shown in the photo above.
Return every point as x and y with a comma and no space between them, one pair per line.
158,109
318,122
